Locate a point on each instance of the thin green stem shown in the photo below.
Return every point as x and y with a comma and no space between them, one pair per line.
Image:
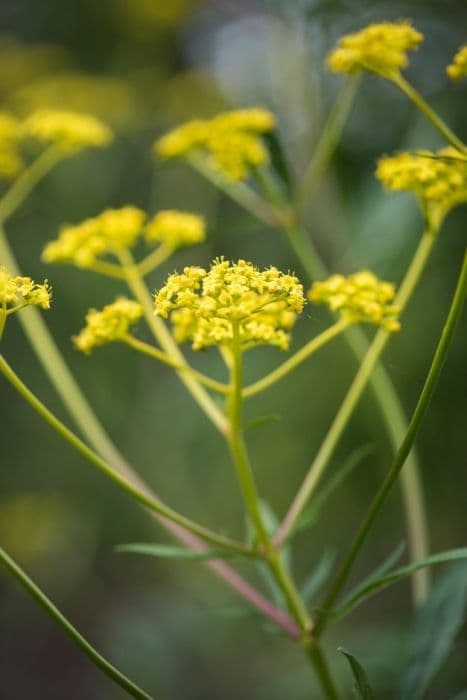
413,95
150,502
420,411
166,341
28,179
107,269
162,357
354,393
154,259
319,663
296,359
105,666
328,141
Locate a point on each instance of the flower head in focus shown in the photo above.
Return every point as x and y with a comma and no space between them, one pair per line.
70,131
231,141
458,68
110,324
176,229
379,48
439,180
204,306
359,298
109,232
10,159
18,292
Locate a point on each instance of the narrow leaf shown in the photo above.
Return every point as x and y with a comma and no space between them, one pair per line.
318,576
362,687
311,515
170,552
279,162
436,626
372,586
263,420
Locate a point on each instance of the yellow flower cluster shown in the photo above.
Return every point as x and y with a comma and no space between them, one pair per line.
360,298
380,48
231,140
108,325
205,306
71,131
10,160
22,291
458,68
109,232
439,180
176,229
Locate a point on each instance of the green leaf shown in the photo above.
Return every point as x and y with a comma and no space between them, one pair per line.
318,576
362,687
263,420
311,515
371,586
170,552
436,626
279,162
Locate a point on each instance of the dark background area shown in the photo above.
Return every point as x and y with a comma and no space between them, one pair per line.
144,66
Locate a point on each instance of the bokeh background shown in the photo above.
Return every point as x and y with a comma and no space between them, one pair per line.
144,66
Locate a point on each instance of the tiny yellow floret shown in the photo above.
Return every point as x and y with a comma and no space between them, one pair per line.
231,141
71,131
110,324
205,305
360,298
108,233
439,180
379,48
10,159
176,228
458,68
18,292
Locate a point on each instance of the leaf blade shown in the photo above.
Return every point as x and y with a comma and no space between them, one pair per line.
362,686
170,552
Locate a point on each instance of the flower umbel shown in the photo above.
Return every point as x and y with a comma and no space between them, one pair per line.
176,229
203,305
360,298
458,68
108,325
439,180
231,141
17,292
71,131
107,233
379,48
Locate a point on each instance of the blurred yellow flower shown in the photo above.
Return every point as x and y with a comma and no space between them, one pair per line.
10,159
360,298
71,131
231,140
17,292
204,305
108,325
379,48
458,68
176,228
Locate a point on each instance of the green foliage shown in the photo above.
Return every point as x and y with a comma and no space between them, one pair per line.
362,687
170,552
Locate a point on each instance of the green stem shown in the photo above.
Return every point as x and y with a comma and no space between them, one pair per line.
300,356
357,387
154,259
166,341
153,504
53,612
319,663
28,179
421,408
162,357
413,95
328,141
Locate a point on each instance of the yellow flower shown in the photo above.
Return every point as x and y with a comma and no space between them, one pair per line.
231,141
109,232
71,131
360,298
379,48
458,68
204,305
108,325
10,160
22,291
439,180
176,228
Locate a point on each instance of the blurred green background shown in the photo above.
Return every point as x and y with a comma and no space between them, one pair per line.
144,66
